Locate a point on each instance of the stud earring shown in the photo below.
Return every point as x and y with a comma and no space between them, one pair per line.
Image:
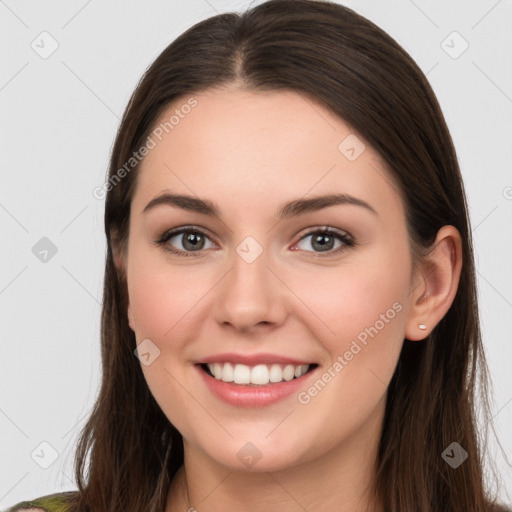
422,326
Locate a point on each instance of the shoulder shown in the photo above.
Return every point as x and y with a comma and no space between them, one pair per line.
57,502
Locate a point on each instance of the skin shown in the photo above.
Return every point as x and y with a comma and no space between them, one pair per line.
250,152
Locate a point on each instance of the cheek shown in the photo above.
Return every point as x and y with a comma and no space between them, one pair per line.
360,317
162,297
354,302
162,302
366,316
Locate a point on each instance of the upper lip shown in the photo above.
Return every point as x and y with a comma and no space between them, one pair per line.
252,359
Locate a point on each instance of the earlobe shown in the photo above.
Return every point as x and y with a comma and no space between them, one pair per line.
117,251
437,284
131,319
118,257
118,261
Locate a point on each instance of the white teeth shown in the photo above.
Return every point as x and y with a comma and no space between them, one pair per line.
217,370
276,374
259,375
228,373
242,374
288,372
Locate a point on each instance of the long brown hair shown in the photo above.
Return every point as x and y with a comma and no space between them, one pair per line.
342,60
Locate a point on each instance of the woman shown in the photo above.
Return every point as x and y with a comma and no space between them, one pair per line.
313,342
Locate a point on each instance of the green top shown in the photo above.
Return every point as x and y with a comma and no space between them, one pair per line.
57,502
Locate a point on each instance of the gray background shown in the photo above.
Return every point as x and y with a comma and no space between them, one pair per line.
58,122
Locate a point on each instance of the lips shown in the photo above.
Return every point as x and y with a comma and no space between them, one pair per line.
254,395
253,359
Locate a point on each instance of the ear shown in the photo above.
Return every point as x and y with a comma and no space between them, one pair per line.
119,257
131,319
436,284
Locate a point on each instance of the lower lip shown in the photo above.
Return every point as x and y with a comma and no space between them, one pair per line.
252,396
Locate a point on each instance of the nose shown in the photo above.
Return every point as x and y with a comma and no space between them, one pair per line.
250,296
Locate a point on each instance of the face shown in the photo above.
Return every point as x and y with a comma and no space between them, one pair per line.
264,287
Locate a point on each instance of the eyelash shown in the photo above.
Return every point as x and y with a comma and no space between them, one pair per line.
344,237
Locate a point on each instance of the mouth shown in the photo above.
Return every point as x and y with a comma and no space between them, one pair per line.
256,375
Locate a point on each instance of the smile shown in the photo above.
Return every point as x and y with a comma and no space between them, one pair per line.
255,385
257,375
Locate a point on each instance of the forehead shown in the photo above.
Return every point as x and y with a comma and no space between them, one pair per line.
245,149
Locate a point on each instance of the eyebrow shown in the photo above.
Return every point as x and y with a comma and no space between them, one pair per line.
290,209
